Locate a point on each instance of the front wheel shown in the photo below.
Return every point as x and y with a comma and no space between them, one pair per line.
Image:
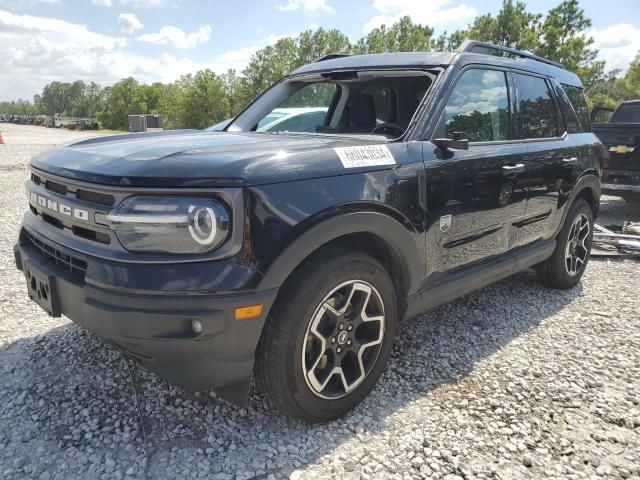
328,337
565,267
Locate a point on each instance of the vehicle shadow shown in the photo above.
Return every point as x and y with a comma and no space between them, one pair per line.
75,385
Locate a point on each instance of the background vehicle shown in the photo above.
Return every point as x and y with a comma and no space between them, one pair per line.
292,119
621,139
428,176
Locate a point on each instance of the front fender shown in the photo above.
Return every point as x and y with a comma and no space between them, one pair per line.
390,231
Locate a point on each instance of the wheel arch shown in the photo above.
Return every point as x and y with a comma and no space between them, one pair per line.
588,188
373,233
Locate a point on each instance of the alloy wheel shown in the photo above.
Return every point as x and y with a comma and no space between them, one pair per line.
577,248
343,339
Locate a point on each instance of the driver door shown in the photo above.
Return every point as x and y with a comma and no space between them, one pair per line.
487,193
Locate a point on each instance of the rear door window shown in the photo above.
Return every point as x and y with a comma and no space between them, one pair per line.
538,115
478,108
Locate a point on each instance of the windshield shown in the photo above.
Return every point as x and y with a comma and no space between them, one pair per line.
347,103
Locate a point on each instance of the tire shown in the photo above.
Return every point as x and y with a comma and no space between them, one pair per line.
559,271
302,318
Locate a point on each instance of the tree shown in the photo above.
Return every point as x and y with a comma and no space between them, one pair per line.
512,27
123,99
271,63
402,36
204,101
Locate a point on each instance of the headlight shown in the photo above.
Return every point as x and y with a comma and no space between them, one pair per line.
170,224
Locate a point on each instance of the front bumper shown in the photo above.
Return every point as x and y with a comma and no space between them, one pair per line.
156,329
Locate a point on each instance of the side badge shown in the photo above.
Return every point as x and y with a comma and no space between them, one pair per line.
445,223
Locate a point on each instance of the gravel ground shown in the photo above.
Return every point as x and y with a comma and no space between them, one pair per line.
514,381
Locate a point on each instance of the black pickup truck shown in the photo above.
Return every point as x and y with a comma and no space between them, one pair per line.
291,254
621,139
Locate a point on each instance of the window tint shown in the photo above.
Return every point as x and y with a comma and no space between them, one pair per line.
384,101
312,97
627,113
568,114
538,118
300,122
579,103
478,108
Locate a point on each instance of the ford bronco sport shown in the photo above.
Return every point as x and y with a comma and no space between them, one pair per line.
298,249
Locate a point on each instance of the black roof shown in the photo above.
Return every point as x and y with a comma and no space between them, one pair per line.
438,59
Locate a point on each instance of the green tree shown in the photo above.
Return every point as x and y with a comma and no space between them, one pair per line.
402,36
204,101
123,98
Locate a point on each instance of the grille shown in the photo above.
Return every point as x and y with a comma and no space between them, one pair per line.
94,201
63,262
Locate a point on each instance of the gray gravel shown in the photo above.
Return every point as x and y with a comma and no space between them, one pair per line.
513,381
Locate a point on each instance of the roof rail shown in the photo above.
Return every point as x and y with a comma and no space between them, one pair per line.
471,46
331,56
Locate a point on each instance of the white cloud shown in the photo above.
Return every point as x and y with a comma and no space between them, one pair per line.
239,58
308,6
429,12
141,3
176,37
129,23
26,3
102,3
38,50
617,44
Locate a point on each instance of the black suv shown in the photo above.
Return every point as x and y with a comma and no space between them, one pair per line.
299,245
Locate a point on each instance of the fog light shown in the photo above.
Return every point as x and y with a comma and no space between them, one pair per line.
196,326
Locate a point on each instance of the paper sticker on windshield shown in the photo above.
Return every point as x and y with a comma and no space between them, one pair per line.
366,156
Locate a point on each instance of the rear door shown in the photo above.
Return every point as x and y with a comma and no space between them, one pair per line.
552,156
487,195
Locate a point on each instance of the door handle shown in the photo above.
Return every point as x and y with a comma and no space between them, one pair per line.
569,162
513,169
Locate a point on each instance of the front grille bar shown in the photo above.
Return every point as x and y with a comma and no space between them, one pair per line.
75,266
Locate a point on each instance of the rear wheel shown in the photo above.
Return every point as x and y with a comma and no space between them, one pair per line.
328,337
565,267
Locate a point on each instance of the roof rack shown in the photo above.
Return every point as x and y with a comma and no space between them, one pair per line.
471,46
331,56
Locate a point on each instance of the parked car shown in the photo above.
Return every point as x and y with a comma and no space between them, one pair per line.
206,254
621,139
288,119
220,126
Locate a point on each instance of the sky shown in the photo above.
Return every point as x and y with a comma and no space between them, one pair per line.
159,40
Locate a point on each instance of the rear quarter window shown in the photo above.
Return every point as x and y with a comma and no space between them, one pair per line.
569,115
576,95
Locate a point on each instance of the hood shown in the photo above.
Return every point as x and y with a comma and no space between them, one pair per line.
200,158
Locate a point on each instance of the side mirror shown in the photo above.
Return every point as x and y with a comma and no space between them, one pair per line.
451,144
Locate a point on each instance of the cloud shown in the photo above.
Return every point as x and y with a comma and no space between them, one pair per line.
176,37
38,50
26,3
617,44
429,12
308,6
129,23
239,58
140,3
102,3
